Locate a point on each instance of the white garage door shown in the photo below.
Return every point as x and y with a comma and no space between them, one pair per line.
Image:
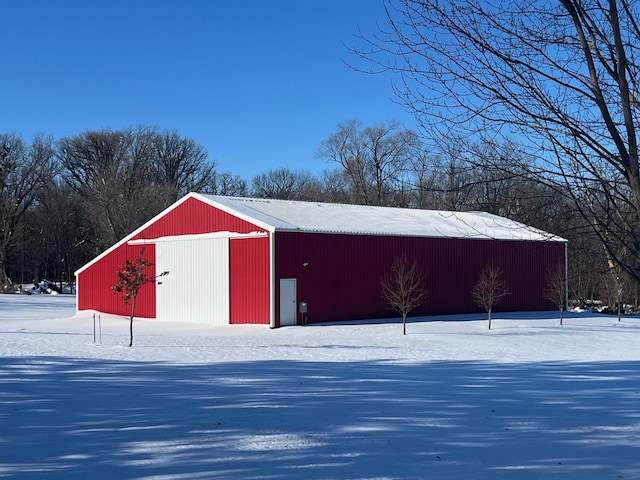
197,286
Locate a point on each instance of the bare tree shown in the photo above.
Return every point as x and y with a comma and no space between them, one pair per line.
226,183
489,290
54,232
373,158
589,272
111,180
124,177
562,75
23,171
178,164
286,184
614,288
556,287
403,288
443,184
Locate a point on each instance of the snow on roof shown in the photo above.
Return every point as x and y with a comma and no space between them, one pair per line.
297,216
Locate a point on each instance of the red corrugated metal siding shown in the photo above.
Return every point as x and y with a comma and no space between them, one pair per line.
249,280
342,279
95,293
190,217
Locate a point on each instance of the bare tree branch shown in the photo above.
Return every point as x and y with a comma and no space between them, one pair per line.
560,77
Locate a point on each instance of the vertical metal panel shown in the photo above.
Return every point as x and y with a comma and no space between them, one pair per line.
190,217
250,280
341,279
196,288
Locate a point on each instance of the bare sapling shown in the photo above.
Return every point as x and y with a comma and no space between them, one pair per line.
489,290
556,287
403,288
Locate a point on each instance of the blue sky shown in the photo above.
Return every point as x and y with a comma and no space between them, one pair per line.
258,83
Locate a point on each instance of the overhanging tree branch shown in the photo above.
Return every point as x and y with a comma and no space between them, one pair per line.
561,77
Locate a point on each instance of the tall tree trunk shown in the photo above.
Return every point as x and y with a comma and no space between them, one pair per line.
4,278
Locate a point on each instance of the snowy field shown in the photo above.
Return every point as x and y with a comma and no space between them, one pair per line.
529,399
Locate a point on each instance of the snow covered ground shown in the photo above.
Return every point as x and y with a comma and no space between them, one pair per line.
529,399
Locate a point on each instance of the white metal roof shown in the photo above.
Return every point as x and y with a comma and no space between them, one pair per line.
296,216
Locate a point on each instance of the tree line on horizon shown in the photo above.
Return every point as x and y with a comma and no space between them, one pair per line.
65,201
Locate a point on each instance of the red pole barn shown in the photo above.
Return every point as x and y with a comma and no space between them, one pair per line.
278,262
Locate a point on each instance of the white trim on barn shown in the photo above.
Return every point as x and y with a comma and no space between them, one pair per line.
197,236
272,280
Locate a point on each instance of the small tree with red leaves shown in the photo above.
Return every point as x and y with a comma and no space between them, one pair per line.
131,277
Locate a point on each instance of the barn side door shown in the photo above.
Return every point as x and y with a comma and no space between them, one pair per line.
288,311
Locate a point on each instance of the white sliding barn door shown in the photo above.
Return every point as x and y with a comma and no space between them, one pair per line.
196,289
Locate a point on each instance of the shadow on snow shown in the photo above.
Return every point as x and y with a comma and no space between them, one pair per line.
70,418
